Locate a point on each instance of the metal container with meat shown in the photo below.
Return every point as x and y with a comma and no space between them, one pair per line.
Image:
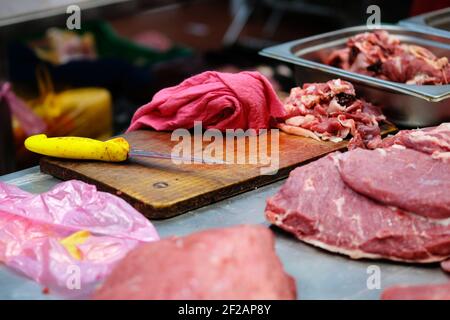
405,104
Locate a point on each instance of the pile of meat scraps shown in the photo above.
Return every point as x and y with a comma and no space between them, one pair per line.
232,263
331,111
379,54
391,202
70,237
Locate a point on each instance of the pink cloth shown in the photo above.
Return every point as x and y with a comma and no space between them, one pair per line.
220,100
33,225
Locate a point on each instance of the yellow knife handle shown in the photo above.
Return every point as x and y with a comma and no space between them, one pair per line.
114,150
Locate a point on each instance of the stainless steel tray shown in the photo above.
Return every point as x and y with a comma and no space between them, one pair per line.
405,105
436,23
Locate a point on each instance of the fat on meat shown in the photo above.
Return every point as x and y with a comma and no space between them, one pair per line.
432,140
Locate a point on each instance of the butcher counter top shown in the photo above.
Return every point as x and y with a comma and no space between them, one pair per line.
319,274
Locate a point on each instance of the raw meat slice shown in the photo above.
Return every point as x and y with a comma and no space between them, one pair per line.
418,292
445,265
232,263
401,177
319,208
432,140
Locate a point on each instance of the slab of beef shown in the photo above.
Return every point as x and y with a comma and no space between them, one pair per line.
319,208
418,292
401,177
432,140
232,263
331,111
382,55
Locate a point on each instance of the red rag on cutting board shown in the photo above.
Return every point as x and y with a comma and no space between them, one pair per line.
220,100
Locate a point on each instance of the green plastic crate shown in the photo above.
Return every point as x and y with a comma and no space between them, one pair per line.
109,44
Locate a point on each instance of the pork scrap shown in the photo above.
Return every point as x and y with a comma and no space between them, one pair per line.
381,55
232,263
445,265
331,111
432,140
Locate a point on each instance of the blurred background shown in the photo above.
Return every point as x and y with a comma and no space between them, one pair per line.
89,81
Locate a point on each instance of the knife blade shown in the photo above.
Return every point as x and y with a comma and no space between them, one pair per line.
159,155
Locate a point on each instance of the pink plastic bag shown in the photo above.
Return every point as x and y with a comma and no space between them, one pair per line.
32,229
30,122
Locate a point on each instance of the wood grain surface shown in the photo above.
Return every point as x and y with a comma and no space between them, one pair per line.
160,189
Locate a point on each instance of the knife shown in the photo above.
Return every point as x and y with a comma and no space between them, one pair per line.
114,150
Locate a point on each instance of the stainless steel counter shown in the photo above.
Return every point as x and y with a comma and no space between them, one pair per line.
319,274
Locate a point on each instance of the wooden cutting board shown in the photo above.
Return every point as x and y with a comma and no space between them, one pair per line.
161,189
